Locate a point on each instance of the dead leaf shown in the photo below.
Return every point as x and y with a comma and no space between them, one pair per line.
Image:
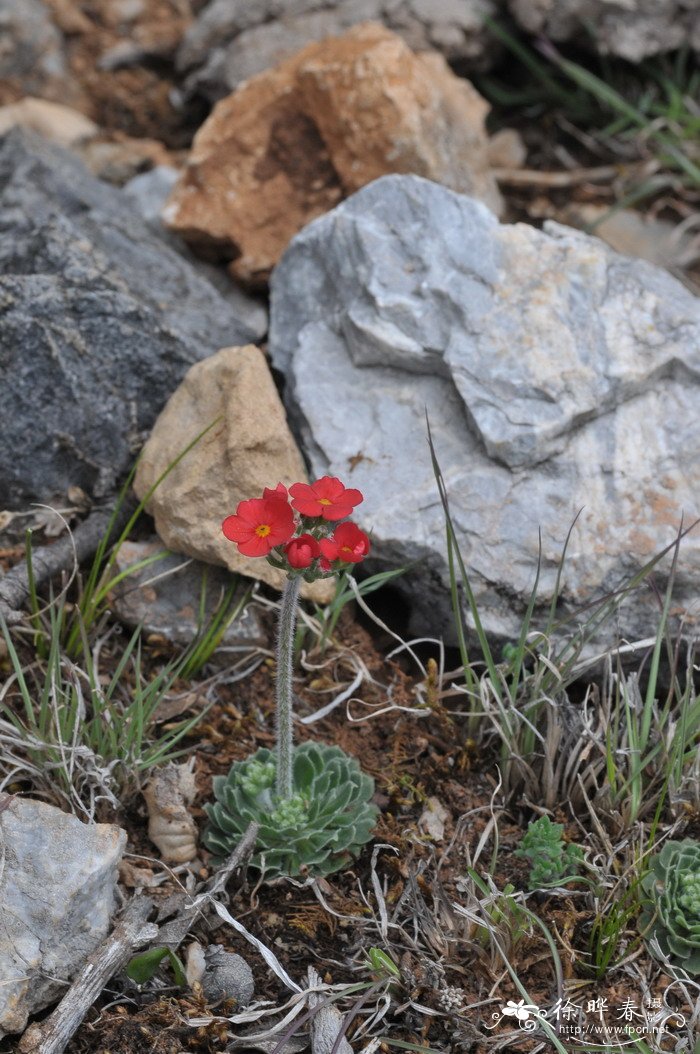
433,818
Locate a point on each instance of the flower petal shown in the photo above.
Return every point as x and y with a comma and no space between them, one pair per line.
236,529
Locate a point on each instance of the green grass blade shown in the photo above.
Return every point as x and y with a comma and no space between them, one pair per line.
466,585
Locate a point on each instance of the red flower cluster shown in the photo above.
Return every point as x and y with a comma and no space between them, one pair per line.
268,527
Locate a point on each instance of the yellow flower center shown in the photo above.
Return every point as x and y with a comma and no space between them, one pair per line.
324,501
263,530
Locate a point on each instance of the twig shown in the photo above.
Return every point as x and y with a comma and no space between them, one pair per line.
173,932
238,858
526,177
50,560
132,931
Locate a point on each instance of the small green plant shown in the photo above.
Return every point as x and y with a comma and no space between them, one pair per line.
382,966
326,618
614,909
79,733
641,112
671,917
144,967
318,829
552,861
211,630
502,920
102,575
313,802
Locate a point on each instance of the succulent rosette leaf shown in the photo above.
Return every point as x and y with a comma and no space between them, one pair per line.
672,915
551,859
320,829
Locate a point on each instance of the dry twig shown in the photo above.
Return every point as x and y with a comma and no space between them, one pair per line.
527,177
51,560
132,931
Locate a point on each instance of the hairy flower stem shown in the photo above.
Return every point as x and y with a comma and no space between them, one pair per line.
285,715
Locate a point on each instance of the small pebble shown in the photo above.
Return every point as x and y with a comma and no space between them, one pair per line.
227,976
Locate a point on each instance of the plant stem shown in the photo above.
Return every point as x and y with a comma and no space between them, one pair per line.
285,653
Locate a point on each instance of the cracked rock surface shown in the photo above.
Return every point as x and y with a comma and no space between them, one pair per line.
557,374
290,143
57,897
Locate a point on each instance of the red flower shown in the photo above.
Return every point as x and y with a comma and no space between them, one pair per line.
349,544
327,497
278,493
302,551
259,525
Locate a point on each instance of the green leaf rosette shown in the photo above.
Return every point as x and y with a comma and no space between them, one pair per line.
672,914
320,829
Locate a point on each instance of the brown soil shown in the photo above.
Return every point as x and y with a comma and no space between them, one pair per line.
122,56
413,755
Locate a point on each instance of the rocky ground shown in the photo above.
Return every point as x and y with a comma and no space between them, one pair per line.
246,243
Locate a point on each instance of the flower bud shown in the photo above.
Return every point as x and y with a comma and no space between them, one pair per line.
302,551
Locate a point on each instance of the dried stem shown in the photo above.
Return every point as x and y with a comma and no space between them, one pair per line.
285,714
132,931
51,560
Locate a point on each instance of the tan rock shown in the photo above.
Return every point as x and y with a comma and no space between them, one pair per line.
117,158
250,448
633,234
56,122
168,796
290,143
507,149
379,109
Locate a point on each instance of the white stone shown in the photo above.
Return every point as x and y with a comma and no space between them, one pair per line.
57,897
558,377
60,124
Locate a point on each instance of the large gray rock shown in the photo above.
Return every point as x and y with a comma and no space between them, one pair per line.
631,29
165,596
232,40
557,375
149,192
57,896
99,321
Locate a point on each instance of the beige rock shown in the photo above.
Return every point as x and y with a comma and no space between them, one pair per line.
507,149
117,158
60,124
633,234
250,448
290,143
